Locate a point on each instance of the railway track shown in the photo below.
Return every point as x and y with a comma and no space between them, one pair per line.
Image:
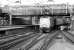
4,37
48,42
14,38
63,34
33,43
69,36
48,39
10,38
6,46
17,32
33,39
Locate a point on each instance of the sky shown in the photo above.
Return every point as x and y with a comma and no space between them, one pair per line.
32,2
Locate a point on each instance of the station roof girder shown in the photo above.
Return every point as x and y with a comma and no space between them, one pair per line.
38,9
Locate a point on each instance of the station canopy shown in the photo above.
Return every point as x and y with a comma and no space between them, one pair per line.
36,8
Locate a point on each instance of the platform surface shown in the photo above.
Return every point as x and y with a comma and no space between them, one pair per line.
62,45
9,27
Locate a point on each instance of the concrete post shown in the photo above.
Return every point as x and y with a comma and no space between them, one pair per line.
10,23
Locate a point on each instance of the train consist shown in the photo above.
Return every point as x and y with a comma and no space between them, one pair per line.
48,23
